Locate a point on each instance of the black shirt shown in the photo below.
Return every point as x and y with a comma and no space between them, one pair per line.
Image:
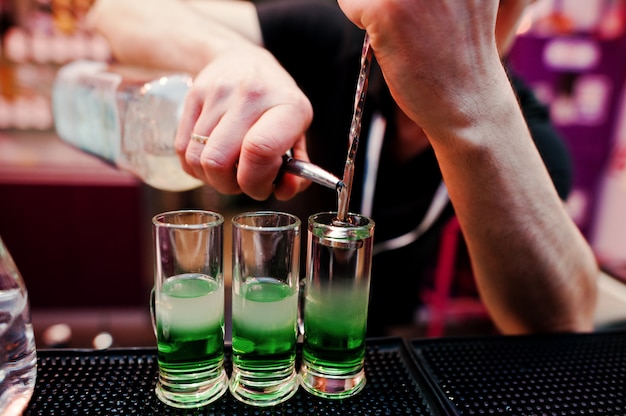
321,49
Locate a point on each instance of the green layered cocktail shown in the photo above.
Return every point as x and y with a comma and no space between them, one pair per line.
264,340
265,307
190,336
335,323
335,304
264,325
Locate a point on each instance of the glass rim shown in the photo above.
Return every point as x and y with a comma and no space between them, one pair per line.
217,219
328,231
294,221
366,224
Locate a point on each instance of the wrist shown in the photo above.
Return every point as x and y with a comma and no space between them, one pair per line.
486,100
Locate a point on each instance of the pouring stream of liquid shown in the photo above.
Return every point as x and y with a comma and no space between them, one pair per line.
343,192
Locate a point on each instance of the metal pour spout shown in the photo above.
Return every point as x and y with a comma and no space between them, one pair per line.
311,172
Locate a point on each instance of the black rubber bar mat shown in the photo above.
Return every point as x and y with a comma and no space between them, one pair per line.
551,375
121,382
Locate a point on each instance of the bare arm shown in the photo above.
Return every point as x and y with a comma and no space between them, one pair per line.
242,99
177,35
534,270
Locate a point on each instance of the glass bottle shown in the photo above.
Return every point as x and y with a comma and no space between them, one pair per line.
125,115
18,356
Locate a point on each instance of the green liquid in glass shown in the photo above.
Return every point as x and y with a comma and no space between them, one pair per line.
335,321
264,342
264,325
190,322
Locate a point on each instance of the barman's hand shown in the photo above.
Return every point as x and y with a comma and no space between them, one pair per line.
250,112
436,55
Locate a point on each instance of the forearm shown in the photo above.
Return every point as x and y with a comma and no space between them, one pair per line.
171,34
533,268
237,15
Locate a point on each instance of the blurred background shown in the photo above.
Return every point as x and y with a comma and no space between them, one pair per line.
80,232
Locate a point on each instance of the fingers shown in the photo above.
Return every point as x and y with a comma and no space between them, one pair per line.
262,150
191,112
216,113
289,185
251,112
220,157
242,150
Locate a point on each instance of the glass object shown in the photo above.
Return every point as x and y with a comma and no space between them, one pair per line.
18,355
336,298
188,307
125,115
266,252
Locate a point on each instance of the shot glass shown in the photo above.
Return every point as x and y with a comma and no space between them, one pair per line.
266,251
336,298
188,308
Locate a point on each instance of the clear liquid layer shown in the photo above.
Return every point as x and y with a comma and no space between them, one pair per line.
164,172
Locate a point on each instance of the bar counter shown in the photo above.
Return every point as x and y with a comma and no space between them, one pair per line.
556,374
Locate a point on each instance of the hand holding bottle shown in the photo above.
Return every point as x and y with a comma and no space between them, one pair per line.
247,106
250,112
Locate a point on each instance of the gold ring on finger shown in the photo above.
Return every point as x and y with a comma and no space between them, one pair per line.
199,138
